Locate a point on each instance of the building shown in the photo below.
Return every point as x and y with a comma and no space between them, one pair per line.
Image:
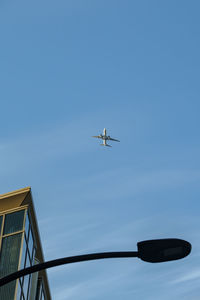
20,247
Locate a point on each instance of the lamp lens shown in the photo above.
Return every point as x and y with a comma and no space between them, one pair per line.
173,251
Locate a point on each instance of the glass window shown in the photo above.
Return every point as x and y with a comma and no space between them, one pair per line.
30,242
26,285
29,287
1,219
10,250
7,291
23,254
33,256
18,291
14,222
42,296
22,297
27,225
9,260
28,262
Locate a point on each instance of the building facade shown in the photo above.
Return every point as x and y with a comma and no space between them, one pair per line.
20,247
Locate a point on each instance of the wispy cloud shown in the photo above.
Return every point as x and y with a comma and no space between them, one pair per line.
119,183
100,279
191,275
38,148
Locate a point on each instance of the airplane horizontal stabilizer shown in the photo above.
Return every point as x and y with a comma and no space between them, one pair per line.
105,145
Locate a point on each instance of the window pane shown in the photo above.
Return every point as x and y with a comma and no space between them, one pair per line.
9,259
26,278
18,291
7,291
23,254
27,225
28,263
41,293
42,296
1,219
25,285
33,256
14,222
22,297
29,287
30,243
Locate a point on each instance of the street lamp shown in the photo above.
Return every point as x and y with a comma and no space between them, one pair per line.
153,251
162,250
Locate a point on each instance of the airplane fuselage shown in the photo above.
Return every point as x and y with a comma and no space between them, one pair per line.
105,138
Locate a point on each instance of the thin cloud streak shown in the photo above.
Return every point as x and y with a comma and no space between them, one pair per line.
36,148
119,183
192,275
99,280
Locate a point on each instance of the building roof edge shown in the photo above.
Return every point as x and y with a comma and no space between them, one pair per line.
16,192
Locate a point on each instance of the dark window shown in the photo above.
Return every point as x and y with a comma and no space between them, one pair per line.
9,259
27,226
1,219
23,254
14,222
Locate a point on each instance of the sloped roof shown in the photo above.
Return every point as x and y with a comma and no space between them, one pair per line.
23,198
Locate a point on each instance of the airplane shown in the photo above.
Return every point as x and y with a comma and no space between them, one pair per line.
105,138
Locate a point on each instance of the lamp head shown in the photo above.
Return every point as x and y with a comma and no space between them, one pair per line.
163,250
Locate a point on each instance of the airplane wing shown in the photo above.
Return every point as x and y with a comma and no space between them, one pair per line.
97,136
114,140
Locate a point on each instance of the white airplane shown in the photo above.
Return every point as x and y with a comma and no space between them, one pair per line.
105,138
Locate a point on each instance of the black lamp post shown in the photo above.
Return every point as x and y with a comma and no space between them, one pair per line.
153,251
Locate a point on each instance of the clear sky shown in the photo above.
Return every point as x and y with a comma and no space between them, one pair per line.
69,68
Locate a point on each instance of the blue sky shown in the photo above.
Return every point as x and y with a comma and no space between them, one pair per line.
67,70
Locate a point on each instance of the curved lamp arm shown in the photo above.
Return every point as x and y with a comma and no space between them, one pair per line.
63,261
